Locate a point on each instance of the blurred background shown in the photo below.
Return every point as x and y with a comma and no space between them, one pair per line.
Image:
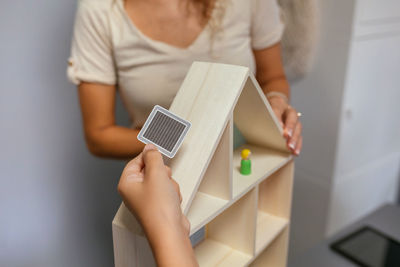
57,201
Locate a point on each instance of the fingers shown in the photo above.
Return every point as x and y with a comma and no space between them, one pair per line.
186,225
278,114
129,183
299,146
177,189
132,172
152,157
135,177
291,120
169,172
149,147
135,165
175,184
279,107
153,162
293,130
296,137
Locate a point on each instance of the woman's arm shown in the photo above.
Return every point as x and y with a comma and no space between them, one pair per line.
271,76
103,137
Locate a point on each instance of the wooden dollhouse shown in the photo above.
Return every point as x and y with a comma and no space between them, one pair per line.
245,217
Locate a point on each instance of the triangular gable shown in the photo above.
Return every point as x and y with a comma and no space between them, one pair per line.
207,98
256,120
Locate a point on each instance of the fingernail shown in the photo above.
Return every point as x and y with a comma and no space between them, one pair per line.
289,132
292,145
135,178
149,147
297,152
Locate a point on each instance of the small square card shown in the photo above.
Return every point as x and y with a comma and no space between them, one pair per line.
165,130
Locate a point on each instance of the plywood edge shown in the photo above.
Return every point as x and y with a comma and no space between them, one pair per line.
230,155
291,166
255,223
124,219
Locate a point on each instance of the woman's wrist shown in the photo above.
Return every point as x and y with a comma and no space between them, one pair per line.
277,94
278,102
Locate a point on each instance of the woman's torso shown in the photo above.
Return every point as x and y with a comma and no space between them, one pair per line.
150,72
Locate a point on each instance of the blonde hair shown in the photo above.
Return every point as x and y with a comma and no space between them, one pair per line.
213,13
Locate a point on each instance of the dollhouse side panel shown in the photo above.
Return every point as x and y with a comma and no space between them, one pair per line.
206,99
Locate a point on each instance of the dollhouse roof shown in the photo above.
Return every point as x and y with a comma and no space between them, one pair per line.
211,95
214,98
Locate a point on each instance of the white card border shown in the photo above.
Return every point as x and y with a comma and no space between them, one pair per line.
178,144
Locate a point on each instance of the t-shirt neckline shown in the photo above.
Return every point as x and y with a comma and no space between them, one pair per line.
160,44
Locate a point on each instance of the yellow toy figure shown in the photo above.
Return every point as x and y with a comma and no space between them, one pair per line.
245,164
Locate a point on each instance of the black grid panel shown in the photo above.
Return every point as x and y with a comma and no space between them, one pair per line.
164,131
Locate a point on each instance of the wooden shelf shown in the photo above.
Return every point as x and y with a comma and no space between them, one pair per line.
204,208
246,216
268,228
276,252
212,253
264,162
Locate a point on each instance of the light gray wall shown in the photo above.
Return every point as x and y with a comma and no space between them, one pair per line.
368,150
350,159
318,96
56,200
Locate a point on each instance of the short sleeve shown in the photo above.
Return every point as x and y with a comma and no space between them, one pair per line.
91,57
266,25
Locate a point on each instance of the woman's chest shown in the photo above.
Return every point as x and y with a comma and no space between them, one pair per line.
229,42
150,76
151,72
176,25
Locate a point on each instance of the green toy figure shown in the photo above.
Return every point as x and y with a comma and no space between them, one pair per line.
245,164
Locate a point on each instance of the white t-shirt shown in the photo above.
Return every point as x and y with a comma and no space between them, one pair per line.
107,48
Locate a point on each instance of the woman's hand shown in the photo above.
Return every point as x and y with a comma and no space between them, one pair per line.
271,77
153,197
290,123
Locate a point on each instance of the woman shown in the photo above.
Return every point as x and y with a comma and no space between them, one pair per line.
145,47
